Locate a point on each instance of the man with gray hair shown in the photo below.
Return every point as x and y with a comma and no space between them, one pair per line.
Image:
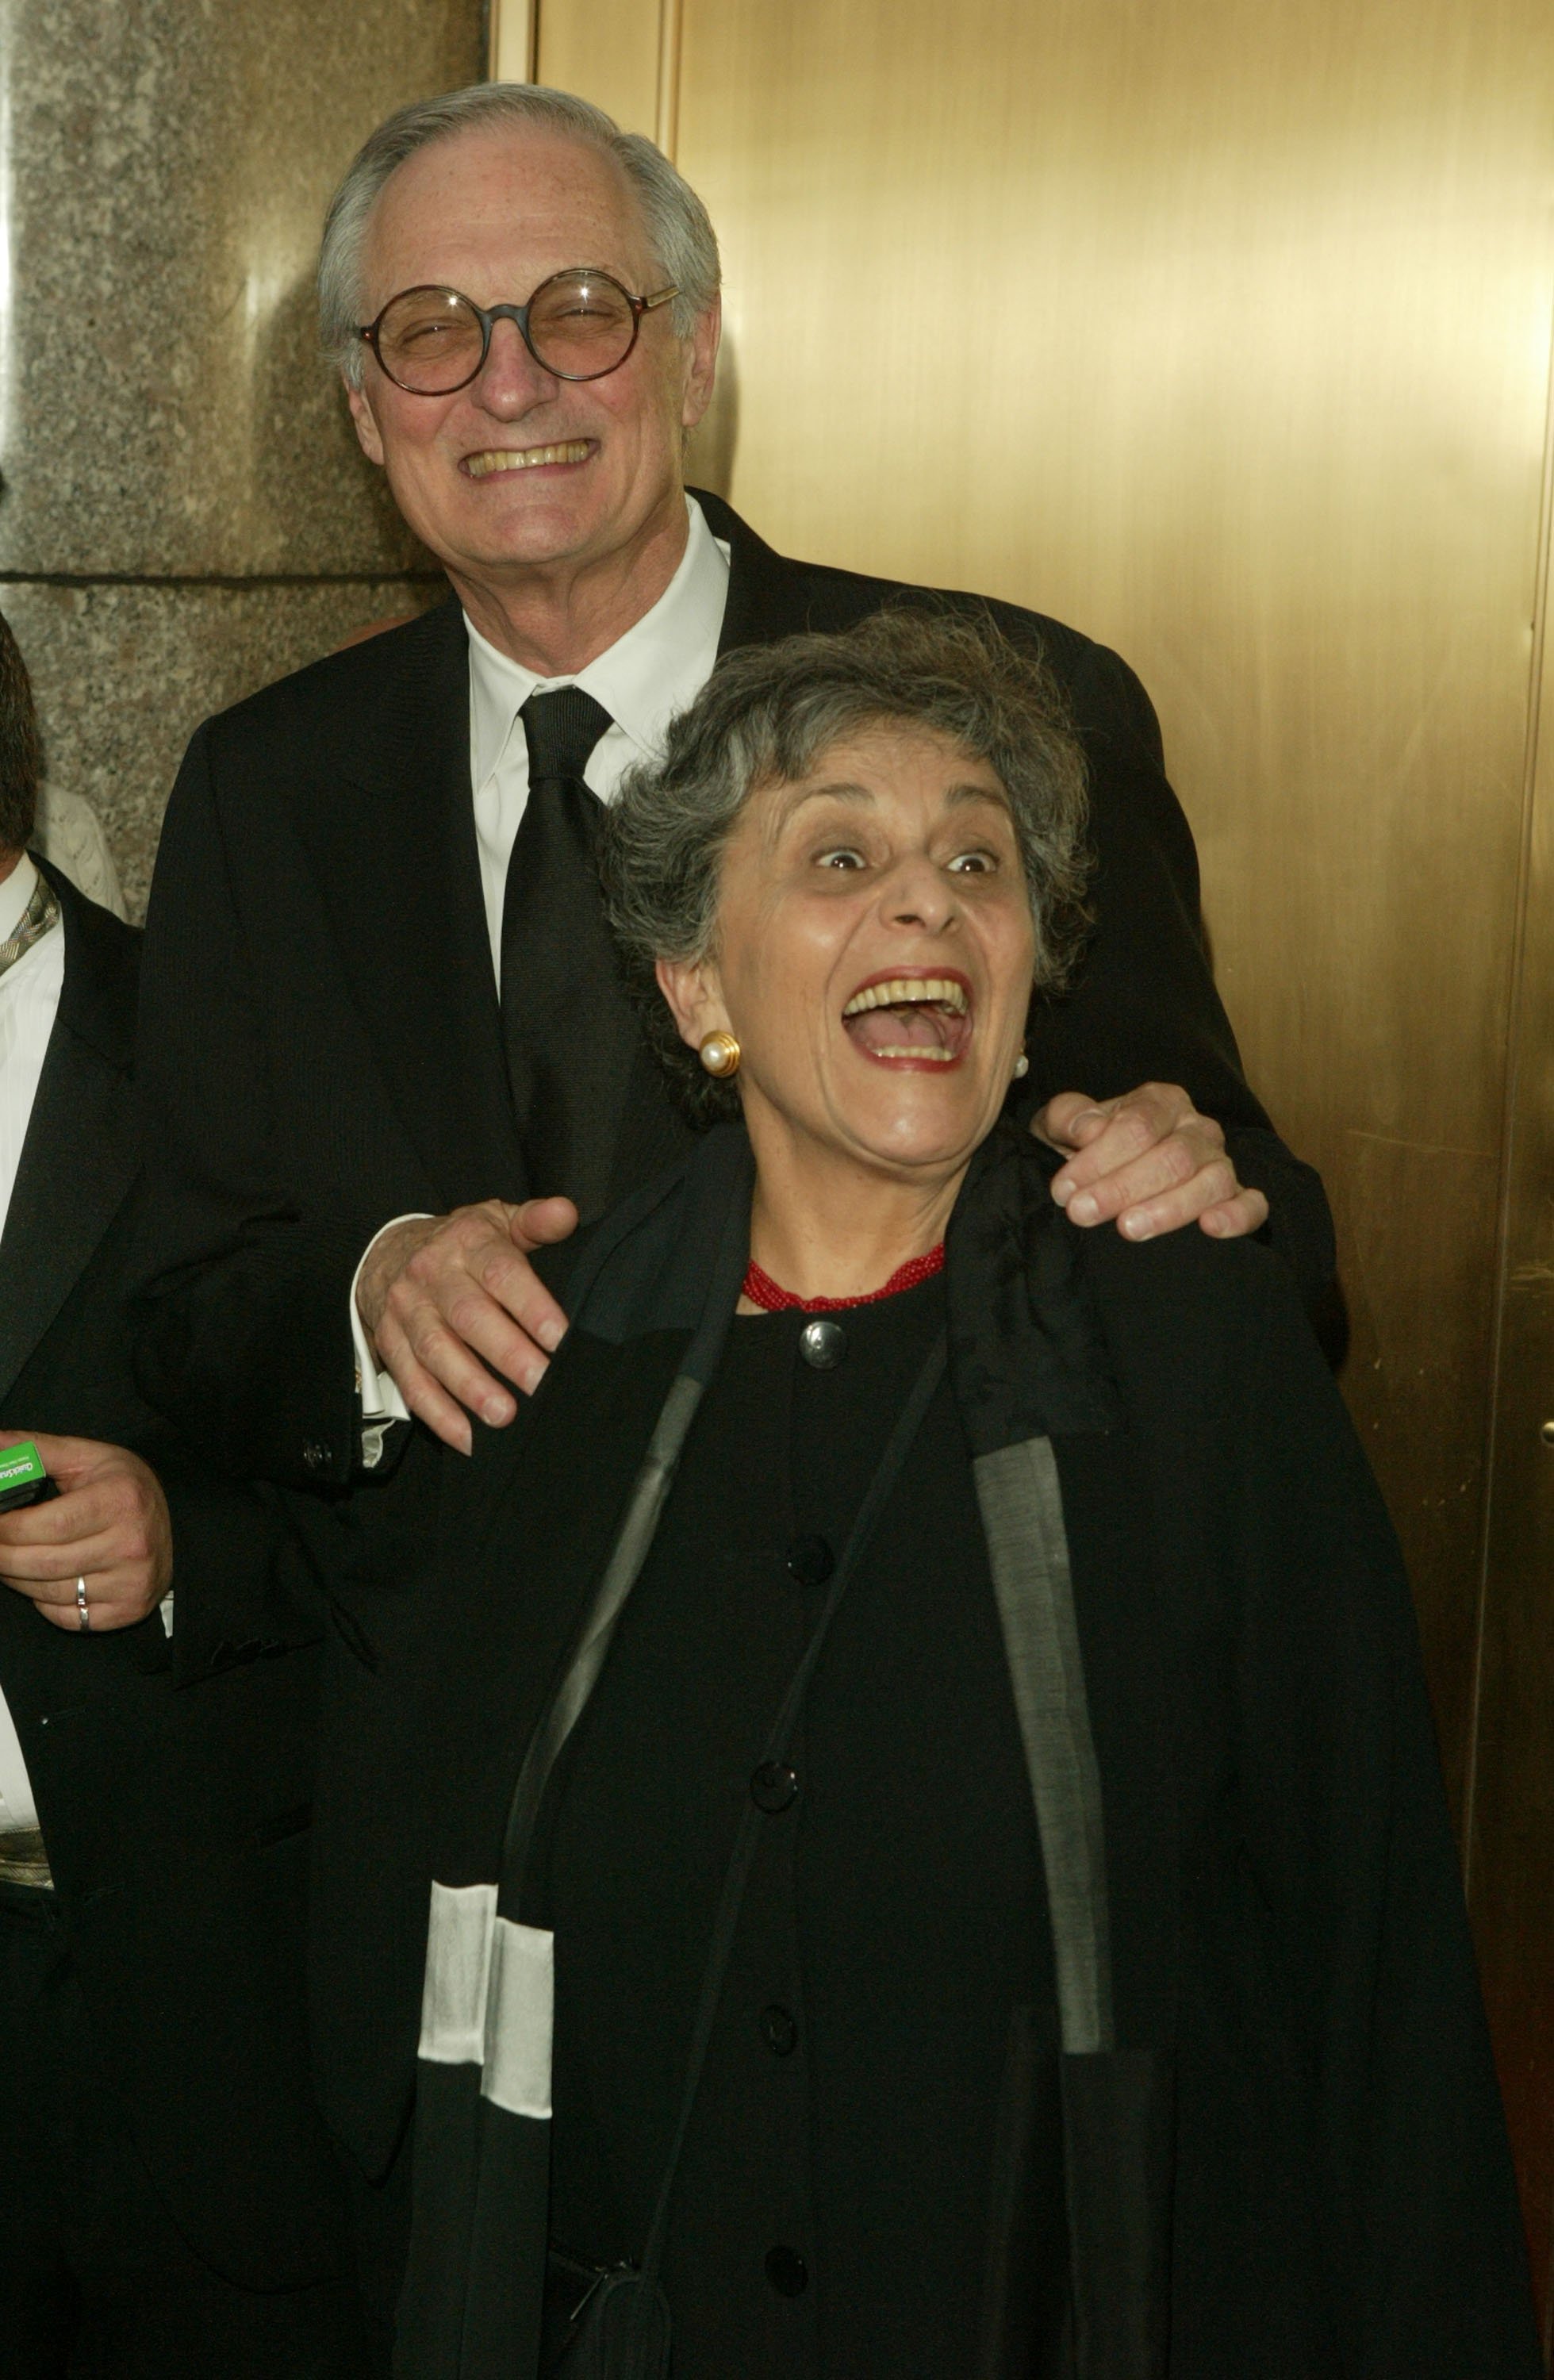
381,1013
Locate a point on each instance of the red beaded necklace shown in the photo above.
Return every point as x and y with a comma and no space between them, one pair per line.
762,1291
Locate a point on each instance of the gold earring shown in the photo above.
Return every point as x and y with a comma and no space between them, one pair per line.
719,1054
1022,1065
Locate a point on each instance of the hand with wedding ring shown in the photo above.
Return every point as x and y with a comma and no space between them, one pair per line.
99,1555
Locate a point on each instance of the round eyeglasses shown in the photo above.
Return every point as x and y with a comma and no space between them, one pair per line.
577,325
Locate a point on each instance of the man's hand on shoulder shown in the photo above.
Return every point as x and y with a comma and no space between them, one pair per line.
444,1296
1148,1162
108,1525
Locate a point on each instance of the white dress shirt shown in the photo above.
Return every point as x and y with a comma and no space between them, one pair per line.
29,1004
657,669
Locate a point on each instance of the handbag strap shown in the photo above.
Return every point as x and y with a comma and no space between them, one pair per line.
649,1495
742,1859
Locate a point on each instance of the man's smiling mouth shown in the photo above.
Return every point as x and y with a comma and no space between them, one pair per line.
525,459
917,1020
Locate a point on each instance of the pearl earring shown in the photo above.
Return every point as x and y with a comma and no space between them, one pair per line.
719,1054
1022,1065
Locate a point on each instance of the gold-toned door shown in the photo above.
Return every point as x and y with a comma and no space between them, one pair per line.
1223,332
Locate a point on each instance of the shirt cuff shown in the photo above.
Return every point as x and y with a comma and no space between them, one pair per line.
379,1391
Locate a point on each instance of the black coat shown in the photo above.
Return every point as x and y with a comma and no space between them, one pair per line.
1285,2156
175,1810
322,1038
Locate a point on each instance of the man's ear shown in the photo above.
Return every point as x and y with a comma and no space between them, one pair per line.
694,997
701,370
366,431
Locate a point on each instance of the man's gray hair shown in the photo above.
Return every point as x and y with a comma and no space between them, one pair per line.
680,233
766,716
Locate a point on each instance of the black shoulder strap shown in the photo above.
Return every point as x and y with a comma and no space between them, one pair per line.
649,1495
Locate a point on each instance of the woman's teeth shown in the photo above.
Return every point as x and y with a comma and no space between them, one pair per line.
930,1015
484,467
901,991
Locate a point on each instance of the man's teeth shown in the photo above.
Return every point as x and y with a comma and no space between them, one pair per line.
483,467
903,991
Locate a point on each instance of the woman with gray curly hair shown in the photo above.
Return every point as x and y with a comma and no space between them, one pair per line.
948,1873
765,720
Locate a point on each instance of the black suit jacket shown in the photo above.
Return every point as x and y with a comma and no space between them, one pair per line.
322,1033
174,1801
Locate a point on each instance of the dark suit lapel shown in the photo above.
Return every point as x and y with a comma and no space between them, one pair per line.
396,864
78,1158
768,596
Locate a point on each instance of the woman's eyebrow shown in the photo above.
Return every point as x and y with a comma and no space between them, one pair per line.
843,790
793,798
995,795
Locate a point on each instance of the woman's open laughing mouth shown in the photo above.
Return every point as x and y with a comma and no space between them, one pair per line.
914,1021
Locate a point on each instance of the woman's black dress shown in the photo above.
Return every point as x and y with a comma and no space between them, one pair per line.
841,2207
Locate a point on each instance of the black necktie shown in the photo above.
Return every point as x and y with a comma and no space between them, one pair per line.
569,1030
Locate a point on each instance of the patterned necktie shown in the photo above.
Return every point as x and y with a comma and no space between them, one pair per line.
568,1027
41,912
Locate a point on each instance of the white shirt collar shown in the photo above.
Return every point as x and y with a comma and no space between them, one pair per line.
15,894
656,669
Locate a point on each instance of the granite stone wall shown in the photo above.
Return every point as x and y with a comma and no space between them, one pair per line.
184,512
